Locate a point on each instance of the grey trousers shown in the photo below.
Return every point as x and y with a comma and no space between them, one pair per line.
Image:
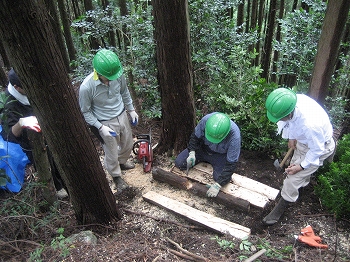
292,183
117,149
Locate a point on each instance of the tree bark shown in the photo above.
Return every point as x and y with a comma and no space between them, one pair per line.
240,17
328,47
66,30
51,5
42,165
34,54
266,59
278,38
172,35
199,189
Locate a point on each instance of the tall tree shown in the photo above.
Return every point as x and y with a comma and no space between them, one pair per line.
328,46
51,6
172,35
66,30
266,58
278,38
30,43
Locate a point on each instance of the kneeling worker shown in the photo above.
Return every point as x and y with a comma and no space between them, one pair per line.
215,140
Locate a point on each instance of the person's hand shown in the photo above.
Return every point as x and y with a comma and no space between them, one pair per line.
106,131
30,122
213,190
134,117
191,159
293,169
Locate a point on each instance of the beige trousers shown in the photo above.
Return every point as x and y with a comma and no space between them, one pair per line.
292,183
117,149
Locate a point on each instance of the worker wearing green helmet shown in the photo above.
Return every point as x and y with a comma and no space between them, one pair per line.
306,125
105,100
215,140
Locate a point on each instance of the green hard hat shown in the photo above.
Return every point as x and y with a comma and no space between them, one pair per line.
107,64
280,103
217,127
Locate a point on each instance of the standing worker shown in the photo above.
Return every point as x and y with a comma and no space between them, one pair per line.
104,100
216,140
309,131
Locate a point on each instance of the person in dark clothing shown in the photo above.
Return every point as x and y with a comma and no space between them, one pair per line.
18,118
215,140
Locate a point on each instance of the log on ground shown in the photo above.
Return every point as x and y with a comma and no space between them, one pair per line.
199,189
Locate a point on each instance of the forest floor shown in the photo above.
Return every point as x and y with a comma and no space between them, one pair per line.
147,232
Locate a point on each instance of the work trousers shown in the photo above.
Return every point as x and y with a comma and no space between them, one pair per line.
117,149
292,183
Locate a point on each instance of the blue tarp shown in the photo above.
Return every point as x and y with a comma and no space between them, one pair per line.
14,164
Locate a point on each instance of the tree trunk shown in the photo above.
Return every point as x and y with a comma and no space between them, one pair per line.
199,189
66,30
247,26
278,38
30,42
328,46
266,59
174,73
240,16
51,5
42,165
260,23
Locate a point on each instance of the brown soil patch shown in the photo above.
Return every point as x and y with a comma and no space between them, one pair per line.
146,231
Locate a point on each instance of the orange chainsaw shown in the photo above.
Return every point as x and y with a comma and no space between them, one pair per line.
142,148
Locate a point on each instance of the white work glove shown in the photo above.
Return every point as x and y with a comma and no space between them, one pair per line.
191,159
213,190
134,117
30,122
106,131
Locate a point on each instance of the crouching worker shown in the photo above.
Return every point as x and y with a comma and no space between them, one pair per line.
18,118
215,140
309,131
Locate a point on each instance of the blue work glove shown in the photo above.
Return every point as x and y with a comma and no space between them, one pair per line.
106,131
191,159
213,190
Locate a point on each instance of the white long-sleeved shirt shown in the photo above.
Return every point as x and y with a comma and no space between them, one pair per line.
101,102
311,126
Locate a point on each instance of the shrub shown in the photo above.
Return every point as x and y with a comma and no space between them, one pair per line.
333,185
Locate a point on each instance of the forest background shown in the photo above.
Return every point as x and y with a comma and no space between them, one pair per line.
238,52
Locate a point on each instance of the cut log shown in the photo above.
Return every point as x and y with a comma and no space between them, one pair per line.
199,189
209,221
258,194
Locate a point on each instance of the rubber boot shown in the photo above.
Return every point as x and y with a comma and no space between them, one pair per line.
120,183
276,212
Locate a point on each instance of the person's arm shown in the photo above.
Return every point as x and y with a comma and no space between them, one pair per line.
194,142
16,130
85,107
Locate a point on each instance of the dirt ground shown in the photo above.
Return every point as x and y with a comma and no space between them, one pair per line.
149,233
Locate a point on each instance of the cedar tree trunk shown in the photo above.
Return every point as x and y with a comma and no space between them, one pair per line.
328,46
174,73
30,43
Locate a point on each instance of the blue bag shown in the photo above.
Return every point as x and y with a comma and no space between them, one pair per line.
13,160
